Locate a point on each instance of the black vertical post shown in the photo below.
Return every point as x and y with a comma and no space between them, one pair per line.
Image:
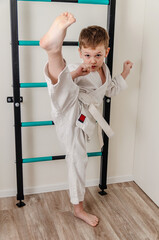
107,101
16,97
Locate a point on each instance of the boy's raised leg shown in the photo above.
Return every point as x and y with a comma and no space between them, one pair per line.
52,42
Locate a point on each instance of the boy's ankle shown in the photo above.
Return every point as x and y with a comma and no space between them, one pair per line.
78,208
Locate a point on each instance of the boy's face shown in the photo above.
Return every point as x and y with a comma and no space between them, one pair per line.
94,57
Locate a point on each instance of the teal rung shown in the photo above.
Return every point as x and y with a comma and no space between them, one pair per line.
35,0
37,123
33,85
37,159
50,158
94,154
28,43
100,2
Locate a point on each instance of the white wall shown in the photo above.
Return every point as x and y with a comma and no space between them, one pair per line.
146,161
128,45
35,18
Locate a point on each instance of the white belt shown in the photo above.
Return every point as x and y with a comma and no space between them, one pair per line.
86,99
101,121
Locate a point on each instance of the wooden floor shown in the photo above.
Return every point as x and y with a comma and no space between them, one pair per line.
125,213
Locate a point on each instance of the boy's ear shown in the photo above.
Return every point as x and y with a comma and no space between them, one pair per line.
107,51
80,53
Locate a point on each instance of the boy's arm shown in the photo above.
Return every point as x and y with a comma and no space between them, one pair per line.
126,69
118,83
82,70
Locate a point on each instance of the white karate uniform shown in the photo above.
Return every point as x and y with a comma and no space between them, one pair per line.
70,102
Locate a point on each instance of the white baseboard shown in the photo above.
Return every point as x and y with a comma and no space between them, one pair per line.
120,179
7,193
62,186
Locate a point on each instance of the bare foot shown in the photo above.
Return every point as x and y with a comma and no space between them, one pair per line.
53,39
86,217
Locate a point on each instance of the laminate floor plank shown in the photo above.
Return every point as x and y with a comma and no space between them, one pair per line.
104,230
144,196
7,226
141,212
8,203
60,209
39,222
125,213
115,213
20,223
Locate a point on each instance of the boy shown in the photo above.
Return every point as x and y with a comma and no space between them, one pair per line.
73,89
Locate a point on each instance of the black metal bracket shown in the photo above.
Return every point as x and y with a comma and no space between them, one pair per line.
20,204
102,193
11,99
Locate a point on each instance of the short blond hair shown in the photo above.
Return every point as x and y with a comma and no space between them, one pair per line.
93,36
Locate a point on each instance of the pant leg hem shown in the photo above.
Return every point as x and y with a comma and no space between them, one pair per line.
76,201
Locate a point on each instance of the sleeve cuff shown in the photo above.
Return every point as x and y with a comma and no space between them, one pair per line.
46,74
121,81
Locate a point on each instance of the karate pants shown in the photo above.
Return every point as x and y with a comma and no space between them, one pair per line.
76,159
65,112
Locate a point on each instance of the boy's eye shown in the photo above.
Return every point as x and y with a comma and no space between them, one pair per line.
87,55
98,55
